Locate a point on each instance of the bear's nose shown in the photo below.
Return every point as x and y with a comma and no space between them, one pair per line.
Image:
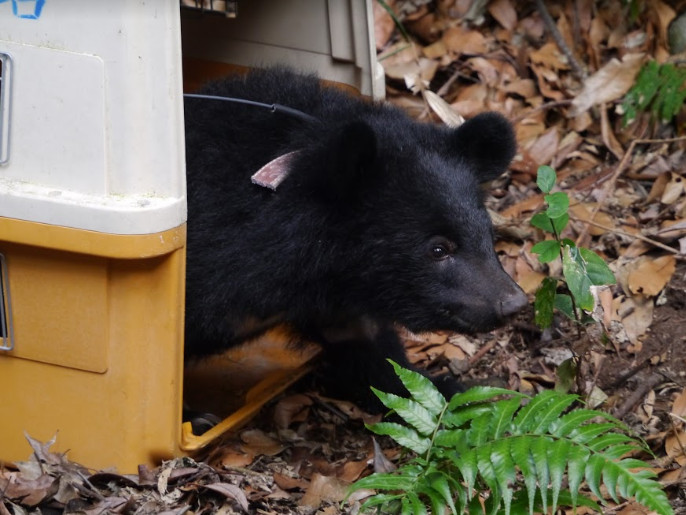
513,303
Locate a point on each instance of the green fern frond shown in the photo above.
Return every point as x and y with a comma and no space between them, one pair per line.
410,411
404,436
528,457
660,87
421,389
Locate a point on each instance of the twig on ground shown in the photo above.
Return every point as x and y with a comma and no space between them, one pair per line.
577,70
482,352
610,184
672,416
628,375
650,241
638,395
548,105
443,90
330,407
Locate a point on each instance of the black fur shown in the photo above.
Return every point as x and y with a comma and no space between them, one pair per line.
379,223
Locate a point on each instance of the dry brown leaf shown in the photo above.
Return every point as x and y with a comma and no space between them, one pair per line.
565,30
672,229
548,82
679,405
424,25
324,488
597,35
549,55
658,187
291,409
528,205
668,187
235,459
381,462
462,40
528,131
490,71
609,83
471,100
583,212
383,24
398,53
634,509
414,72
526,277
30,492
351,410
650,276
352,470
473,92
675,444
569,144
258,442
435,50
672,477
544,148
636,314
443,110
463,345
525,88
608,135
648,404
504,13
605,298
665,15
673,189
230,492
290,483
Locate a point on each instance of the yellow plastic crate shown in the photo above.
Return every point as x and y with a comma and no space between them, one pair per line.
93,212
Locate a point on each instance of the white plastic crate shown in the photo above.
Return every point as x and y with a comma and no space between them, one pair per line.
93,114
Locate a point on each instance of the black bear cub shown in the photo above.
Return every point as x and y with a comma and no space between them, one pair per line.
377,222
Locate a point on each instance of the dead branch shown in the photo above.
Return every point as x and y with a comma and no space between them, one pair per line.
610,184
638,395
577,70
613,230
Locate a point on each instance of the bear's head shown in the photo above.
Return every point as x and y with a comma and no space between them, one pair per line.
414,240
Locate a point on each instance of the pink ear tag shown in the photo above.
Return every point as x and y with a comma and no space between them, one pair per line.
274,172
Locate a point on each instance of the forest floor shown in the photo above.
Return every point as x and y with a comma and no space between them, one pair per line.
627,185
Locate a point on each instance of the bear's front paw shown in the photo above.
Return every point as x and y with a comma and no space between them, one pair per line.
448,385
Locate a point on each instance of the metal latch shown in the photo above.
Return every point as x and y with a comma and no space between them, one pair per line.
6,333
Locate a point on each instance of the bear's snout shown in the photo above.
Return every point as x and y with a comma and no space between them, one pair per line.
513,303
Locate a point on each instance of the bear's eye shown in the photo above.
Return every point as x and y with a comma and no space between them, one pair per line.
441,249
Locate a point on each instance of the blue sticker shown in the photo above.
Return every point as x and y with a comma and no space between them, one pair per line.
26,9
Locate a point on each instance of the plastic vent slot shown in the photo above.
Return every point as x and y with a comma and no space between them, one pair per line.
5,77
228,8
6,336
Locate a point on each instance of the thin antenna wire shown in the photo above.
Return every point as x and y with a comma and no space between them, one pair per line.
274,108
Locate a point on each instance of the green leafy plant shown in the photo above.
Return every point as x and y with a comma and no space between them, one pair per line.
490,449
658,87
635,8
581,267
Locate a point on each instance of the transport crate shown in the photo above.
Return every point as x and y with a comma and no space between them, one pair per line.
93,209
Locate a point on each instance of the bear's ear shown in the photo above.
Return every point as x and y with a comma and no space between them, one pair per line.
487,142
350,156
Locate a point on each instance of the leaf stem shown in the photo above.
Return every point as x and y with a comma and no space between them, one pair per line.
571,296
438,426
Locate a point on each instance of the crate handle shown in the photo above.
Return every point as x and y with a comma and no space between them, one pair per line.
6,331
5,85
